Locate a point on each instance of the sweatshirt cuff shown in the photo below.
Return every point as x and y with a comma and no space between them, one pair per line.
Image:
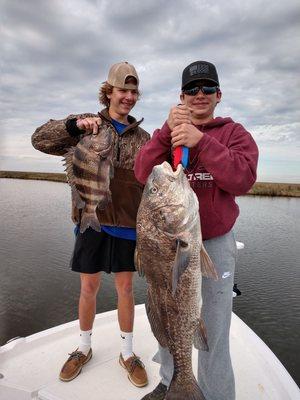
72,128
166,129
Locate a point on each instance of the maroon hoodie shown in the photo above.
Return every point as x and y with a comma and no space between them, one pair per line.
221,166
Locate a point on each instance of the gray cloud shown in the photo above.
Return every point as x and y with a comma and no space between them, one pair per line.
56,54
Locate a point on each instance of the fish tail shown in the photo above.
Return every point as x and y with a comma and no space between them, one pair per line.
89,220
179,390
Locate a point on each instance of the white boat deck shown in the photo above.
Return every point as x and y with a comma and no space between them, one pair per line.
30,366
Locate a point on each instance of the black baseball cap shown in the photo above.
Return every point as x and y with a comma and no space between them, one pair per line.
199,70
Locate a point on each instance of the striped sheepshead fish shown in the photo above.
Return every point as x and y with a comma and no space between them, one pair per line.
89,169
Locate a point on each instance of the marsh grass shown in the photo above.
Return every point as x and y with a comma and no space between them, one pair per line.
259,188
43,176
275,189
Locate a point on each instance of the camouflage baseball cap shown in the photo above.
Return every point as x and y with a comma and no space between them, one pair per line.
119,72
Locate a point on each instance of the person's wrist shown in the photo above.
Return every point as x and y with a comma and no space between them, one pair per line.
78,125
170,125
72,128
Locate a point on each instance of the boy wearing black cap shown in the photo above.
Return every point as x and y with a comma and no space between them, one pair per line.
112,249
222,164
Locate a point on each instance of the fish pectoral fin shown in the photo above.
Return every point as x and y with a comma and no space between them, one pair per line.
138,263
155,323
207,267
200,336
181,262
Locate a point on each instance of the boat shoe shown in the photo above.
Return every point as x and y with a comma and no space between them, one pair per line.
73,366
136,371
158,393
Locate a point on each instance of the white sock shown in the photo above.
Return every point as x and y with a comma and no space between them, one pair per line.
85,341
126,344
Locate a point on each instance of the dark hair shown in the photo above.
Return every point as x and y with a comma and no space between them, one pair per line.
106,89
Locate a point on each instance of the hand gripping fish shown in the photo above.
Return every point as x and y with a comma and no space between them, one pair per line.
170,253
89,169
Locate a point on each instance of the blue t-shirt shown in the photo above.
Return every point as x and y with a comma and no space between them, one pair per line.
118,126
122,233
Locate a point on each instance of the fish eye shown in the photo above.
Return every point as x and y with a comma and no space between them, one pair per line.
153,190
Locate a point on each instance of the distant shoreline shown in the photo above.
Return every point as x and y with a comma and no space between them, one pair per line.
259,188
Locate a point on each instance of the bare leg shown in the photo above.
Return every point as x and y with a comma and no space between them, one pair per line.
123,284
128,360
90,284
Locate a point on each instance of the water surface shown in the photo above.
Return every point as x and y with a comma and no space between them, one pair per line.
38,290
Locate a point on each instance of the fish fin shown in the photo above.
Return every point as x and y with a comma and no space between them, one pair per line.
102,204
76,199
200,336
155,322
89,220
207,267
190,390
75,214
68,163
181,262
138,263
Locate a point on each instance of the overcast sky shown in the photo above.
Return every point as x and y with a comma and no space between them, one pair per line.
56,53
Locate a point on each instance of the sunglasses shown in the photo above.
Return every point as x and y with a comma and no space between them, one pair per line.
204,89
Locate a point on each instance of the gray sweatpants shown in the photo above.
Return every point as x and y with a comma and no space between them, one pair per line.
215,374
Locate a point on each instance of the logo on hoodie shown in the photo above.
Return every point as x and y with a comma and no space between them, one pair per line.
200,179
200,176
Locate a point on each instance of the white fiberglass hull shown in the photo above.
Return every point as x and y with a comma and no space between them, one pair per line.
30,366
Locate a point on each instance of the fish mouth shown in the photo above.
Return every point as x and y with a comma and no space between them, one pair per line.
168,168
